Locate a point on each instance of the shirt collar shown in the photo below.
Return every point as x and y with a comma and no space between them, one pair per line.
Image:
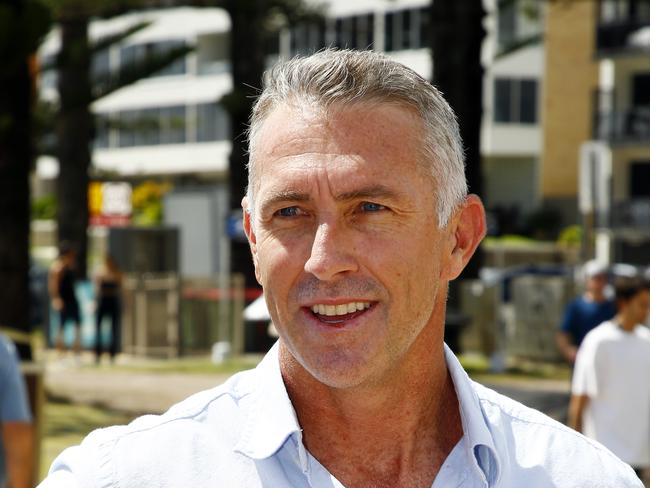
478,439
270,419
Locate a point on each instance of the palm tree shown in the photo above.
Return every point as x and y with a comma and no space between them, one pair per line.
77,90
456,38
26,23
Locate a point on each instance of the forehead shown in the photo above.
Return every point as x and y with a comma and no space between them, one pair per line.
358,138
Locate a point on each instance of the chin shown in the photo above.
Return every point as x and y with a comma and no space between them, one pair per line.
339,370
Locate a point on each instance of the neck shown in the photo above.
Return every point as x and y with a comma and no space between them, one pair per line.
383,433
625,322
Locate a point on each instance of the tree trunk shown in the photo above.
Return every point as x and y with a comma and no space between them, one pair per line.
15,160
457,37
247,57
74,134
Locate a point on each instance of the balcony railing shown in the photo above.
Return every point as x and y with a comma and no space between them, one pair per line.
623,126
616,36
632,214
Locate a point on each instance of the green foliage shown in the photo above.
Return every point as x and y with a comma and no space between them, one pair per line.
44,208
570,236
147,203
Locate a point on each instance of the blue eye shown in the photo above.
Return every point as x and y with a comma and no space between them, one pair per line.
372,207
288,212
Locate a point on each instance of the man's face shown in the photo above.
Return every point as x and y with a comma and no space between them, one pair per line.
345,239
638,306
596,284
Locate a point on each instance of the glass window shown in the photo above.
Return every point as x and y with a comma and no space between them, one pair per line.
528,102
365,31
100,63
515,101
425,27
126,134
147,127
102,129
502,100
507,23
213,123
389,41
178,67
172,125
406,29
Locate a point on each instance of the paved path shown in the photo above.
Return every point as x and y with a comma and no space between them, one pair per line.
144,392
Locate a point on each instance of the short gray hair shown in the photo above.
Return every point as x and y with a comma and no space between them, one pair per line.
342,77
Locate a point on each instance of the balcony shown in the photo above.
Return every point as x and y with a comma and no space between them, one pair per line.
623,26
631,214
629,126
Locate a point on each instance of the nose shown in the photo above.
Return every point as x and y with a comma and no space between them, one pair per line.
332,253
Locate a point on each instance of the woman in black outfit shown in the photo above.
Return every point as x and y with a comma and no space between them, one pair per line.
108,288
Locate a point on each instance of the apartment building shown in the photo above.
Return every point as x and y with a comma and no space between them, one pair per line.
598,89
172,125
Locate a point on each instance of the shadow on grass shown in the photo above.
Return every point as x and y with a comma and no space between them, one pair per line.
66,424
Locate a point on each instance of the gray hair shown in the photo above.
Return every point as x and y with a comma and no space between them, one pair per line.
343,77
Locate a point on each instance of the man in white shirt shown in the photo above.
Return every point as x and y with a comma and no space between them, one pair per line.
358,216
611,393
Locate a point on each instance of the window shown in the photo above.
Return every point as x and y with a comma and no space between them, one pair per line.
178,67
102,131
172,125
213,123
150,126
136,54
507,23
307,38
100,63
518,21
515,101
407,29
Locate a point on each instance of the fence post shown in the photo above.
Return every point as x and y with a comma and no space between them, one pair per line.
237,314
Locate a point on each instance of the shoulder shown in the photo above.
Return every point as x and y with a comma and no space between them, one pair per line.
527,439
8,354
202,429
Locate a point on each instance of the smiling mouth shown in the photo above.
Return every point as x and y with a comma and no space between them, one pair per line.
339,314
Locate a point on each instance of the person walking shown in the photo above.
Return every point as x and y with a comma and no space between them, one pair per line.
108,287
586,311
16,429
61,285
610,399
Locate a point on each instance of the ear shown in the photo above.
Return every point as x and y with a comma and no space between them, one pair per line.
467,231
250,235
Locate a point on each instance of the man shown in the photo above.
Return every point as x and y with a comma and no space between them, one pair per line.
16,441
61,285
585,312
357,217
611,393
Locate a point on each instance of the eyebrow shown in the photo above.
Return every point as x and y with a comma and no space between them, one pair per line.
374,191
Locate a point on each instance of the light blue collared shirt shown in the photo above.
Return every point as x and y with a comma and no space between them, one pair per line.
245,433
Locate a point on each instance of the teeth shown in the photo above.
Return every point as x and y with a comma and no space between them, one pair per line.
342,309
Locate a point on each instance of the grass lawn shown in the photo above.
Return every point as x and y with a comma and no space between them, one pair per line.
66,425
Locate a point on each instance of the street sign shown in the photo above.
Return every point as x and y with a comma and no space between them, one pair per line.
109,203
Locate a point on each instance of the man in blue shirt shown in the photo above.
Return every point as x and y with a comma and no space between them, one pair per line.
358,216
16,442
585,312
